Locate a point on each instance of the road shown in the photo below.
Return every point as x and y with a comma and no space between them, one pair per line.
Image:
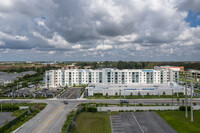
71,93
51,119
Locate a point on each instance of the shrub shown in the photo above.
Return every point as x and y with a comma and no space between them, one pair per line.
140,104
182,108
91,109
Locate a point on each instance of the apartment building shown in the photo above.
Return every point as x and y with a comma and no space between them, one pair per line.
70,77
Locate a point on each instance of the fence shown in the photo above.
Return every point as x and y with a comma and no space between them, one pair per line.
80,109
9,124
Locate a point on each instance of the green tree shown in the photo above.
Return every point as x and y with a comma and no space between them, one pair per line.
164,93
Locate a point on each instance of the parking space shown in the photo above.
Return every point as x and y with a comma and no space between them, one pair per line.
71,93
116,124
143,122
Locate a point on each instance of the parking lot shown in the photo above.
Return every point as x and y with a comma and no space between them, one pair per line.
5,117
71,93
139,122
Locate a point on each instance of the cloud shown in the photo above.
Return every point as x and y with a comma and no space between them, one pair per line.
104,47
51,52
12,37
190,5
57,40
100,29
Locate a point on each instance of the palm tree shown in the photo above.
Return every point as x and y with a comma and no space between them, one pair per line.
178,100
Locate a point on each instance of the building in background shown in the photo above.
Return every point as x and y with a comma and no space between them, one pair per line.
194,73
110,81
173,68
6,78
70,77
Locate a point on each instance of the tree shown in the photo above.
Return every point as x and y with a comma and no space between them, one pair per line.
183,102
178,100
164,93
147,93
139,94
116,93
107,95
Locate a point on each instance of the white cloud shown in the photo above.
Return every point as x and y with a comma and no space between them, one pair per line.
41,23
190,36
12,37
77,46
2,43
104,47
51,52
57,40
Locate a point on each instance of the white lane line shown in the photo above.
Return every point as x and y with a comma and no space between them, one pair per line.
137,122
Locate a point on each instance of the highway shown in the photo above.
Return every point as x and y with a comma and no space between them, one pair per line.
51,119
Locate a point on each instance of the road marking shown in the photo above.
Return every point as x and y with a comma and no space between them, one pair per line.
52,118
71,94
43,121
137,122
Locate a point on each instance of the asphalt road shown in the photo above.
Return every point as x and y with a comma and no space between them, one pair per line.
71,93
49,120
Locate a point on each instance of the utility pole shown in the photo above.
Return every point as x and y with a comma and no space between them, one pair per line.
186,110
172,98
120,95
191,104
1,106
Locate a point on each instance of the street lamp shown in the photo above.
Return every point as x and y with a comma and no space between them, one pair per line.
186,110
191,104
1,105
172,97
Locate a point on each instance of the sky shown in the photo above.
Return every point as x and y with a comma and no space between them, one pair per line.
99,30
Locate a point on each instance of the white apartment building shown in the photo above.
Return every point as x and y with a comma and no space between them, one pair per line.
70,77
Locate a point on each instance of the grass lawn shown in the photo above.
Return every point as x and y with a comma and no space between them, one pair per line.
177,120
87,122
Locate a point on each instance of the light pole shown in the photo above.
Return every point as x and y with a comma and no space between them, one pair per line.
191,104
120,94
135,105
1,106
186,111
172,98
